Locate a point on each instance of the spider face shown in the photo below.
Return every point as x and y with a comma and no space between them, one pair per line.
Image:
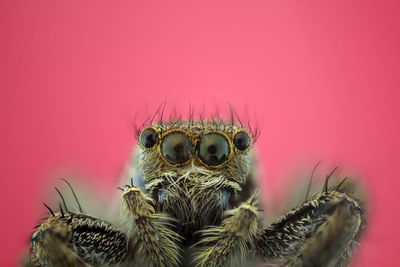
194,170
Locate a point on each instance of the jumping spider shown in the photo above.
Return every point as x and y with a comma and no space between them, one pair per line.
192,201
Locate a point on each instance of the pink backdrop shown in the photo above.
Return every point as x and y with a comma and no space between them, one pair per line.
322,77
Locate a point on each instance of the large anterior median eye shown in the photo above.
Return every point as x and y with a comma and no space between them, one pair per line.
214,149
176,148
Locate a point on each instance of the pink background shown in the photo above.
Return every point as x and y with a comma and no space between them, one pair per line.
322,77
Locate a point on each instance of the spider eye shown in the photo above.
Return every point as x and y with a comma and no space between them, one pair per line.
176,148
213,149
148,138
241,140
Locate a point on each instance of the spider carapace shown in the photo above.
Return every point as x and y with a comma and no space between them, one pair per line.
191,200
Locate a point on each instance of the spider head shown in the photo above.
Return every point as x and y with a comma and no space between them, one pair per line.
194,169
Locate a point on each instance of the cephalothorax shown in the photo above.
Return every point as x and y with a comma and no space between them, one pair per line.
191,200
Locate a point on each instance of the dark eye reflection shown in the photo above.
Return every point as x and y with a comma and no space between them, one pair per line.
148,138
176,148
241,141
213,149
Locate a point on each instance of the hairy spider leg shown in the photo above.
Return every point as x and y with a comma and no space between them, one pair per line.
150,234
231,243
319,232
69,239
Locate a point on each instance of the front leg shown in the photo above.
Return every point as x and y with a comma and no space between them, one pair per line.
320,232
149,233
71,239
230,244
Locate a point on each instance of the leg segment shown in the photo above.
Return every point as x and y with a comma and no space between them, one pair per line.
70,239
320,232
149,233
230,244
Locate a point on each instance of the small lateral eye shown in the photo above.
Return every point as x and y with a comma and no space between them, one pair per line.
214,149
148,138
241,141
176,148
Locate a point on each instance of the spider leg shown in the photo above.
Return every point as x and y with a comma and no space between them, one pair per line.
319,232
69,239
230,243
149,233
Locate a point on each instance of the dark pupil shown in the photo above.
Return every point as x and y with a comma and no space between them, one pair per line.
149,138
213,149
176,148
179,148
241,141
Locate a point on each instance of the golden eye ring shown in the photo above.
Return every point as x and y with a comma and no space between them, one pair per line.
149,138
176,148
242,141
214,149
